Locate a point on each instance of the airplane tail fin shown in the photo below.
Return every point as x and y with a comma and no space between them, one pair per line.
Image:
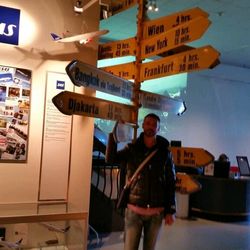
55,37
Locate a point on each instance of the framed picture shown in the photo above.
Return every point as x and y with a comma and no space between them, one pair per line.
15,89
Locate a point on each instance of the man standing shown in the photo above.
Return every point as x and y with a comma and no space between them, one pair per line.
152,194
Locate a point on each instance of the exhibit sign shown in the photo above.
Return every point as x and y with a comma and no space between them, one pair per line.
191,157
115,49
15,87
161,25
57,129
70,103
86,75
184,33
9,25
188,61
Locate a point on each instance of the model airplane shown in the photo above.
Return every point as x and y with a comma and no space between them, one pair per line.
82,38
55,228
11,245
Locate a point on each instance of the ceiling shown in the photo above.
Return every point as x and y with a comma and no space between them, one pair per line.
229,31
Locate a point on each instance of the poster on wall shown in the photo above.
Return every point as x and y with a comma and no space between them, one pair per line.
55,161
15,88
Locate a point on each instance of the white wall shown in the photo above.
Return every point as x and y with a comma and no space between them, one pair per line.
217,117
19,182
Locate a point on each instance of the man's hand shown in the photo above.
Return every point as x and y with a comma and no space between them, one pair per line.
169,219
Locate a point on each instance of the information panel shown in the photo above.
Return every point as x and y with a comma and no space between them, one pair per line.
56,142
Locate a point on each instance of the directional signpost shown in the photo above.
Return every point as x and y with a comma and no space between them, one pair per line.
70,103
83,74
191,157
191,60
165,36
117,49
175,37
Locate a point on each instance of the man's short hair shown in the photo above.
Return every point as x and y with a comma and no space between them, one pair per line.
154,116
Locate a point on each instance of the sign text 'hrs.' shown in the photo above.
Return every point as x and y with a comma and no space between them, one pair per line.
161,25
117,49
191,157
125,70
175,37
188,61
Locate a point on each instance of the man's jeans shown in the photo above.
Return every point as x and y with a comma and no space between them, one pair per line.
134,223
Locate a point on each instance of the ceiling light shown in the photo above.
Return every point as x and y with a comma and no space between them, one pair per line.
152,6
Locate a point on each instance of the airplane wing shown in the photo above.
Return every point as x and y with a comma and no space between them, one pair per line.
82,38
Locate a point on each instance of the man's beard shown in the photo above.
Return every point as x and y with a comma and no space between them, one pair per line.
149,133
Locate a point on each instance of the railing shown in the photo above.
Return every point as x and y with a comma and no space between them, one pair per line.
105,177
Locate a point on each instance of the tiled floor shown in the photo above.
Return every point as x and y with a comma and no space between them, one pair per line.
195,234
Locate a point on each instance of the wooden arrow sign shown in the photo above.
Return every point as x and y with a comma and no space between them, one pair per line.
160,102
125,70
191,157
70,103
188,61
175,37
86,75
185,184
117,49
163,24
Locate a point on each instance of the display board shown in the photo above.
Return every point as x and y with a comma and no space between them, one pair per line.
15,89
56,146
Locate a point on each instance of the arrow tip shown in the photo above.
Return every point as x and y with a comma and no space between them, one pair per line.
59,103
214,64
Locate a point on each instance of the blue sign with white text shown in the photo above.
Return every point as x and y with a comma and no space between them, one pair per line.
60,85
9,25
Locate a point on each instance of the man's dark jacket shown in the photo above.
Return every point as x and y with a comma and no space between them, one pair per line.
155,185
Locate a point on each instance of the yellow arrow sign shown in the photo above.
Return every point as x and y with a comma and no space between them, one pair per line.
191,157
185,184
125,70
117,49
70,103
175,37
161,25
188,61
